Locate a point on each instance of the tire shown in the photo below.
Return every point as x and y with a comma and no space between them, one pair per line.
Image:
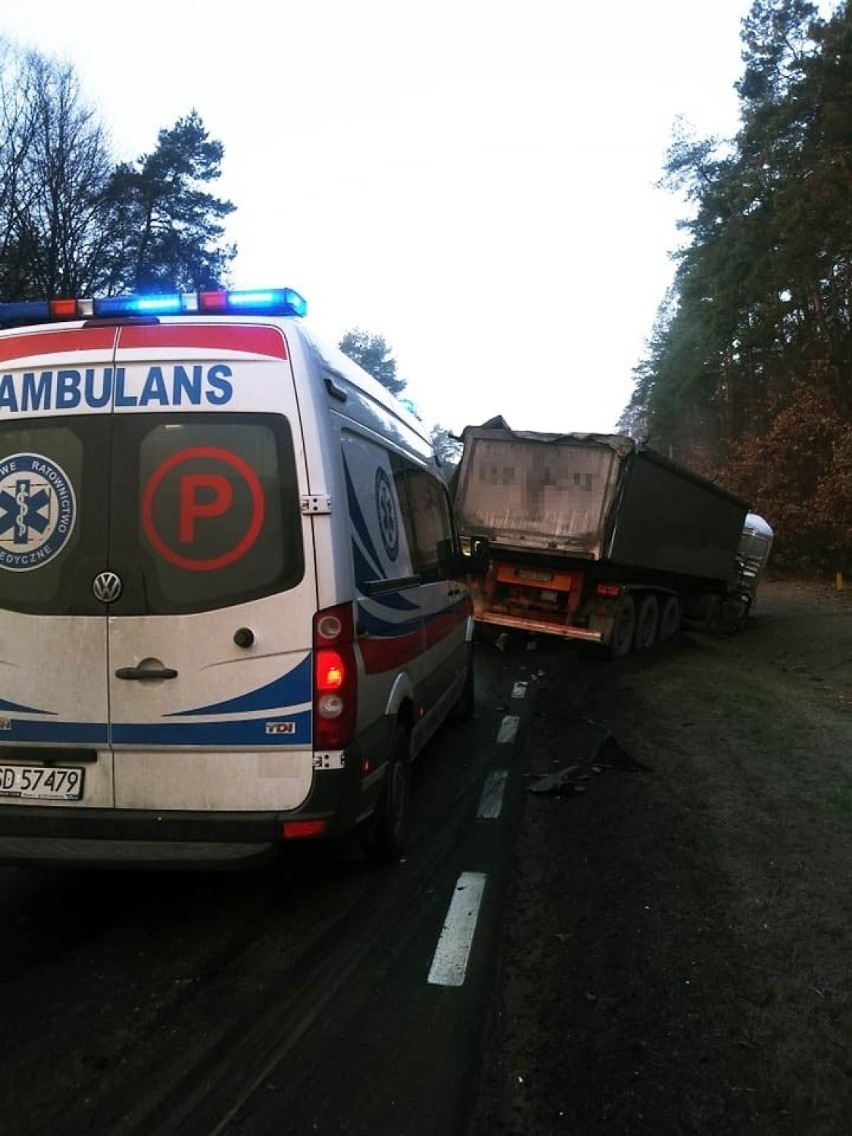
669,619
463,709
744,613
386,835
623,627
734,615
647,623
713,615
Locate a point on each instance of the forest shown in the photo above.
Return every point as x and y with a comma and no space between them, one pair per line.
76,222
747,372
747,376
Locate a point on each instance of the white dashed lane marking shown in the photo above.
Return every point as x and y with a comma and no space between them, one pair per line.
449,963
508,729
491,801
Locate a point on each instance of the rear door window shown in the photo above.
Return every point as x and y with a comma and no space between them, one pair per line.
207,511
54,520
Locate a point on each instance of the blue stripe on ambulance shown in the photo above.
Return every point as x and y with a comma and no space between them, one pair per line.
4,705
291,689
81,733
253,734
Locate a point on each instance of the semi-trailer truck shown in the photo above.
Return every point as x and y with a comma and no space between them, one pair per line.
598,537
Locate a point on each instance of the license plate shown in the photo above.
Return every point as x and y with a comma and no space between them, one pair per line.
41,782
540,575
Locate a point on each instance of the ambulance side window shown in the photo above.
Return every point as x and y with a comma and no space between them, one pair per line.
379,515
431,519
401,469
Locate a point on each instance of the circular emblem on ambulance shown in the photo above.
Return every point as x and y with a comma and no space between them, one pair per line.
107,587
37,511
387,514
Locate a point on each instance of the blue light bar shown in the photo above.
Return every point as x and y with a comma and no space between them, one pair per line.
257,301
25,311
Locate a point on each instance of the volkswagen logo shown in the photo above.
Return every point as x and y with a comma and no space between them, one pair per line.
107,587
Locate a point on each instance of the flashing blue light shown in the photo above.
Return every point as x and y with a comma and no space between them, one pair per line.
24,311
282,301
165,304
159,304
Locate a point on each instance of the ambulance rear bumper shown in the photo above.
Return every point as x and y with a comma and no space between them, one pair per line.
108,838
56,852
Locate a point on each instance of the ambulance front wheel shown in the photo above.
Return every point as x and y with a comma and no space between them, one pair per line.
387,832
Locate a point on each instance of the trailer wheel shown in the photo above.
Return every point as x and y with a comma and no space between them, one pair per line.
745,611
734,615
713,614
623,626
669,619
647,623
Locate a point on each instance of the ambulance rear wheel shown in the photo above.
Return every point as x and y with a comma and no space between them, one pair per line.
463,709
386,835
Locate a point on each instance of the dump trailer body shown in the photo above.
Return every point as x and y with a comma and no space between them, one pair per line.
669,520
562,526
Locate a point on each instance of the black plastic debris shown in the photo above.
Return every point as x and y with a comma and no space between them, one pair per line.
611,755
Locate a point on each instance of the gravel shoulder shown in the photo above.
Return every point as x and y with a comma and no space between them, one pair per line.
676,950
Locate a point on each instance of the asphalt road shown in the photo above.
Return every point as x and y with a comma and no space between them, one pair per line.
319,996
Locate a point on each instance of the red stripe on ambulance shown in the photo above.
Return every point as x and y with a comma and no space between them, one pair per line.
31,345
200,337
443,625
385,654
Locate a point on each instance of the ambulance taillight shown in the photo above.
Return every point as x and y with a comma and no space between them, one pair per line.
335,678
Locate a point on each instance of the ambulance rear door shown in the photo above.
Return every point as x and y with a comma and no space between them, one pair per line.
209,646
54,522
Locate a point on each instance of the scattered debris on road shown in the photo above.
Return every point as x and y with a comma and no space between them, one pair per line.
606,754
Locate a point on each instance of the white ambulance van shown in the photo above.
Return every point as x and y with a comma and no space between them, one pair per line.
231,603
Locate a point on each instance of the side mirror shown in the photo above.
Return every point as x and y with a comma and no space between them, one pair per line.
480,556
453,563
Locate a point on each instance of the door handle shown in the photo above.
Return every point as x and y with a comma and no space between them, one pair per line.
145,674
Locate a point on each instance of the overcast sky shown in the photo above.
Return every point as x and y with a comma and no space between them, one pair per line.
471,179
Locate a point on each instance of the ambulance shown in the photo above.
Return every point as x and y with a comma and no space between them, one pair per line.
232,603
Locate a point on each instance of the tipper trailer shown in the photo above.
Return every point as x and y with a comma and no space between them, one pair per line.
596,537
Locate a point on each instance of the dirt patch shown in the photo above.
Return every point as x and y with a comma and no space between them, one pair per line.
676,956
